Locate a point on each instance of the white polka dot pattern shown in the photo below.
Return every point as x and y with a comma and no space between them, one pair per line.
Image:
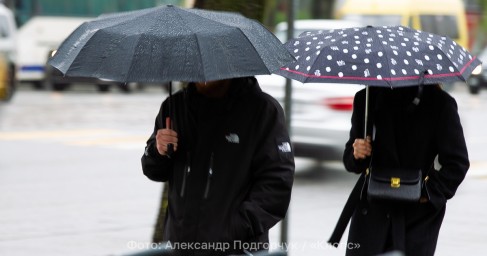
384,56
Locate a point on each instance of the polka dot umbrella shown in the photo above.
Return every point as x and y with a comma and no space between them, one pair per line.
388,56
379,56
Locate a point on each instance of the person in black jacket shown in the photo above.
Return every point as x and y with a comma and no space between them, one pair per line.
408,127
232,170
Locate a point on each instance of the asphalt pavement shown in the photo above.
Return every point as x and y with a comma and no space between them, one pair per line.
71,181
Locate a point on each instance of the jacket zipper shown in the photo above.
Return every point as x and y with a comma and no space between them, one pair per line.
208,179
187,171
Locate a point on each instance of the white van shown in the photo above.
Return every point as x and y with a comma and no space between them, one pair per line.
443,17
37,38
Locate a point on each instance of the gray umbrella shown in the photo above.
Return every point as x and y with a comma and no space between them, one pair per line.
169,43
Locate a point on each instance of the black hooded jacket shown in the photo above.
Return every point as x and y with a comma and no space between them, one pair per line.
231,176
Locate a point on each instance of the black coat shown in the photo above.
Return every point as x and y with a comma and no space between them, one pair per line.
410,136
243,138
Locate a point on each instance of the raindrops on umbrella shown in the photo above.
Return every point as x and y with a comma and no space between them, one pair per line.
170,43
382,56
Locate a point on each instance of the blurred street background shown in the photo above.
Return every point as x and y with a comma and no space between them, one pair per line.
71,182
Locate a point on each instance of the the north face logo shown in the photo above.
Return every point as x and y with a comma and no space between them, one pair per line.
285,147
232,138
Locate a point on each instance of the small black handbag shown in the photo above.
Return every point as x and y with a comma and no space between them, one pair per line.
400,184
394,184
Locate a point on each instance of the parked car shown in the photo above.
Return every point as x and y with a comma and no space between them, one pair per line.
478,78
321,112
321,115
36,39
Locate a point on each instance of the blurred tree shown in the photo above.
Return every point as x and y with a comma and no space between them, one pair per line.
321,9
253,9
158,235
483,18
269,14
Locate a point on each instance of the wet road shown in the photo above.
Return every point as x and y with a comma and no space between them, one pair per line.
71,182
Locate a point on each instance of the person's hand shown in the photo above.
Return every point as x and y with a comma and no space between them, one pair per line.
164,137
362,148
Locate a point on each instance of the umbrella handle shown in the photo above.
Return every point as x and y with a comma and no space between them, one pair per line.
170,146
366,110
170,150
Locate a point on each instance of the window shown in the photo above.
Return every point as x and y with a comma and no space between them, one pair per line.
375,20
440,24
4,31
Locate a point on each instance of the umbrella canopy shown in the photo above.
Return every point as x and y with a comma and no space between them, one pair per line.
168,43
378,56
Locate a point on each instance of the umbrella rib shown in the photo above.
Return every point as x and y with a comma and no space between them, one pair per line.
197,42
346,77
141,14
467,65
229,26
373,78
387,57
253,47
131,60
200,56
106,59
133,55
102,64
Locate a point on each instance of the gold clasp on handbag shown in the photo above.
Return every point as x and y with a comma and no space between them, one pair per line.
395,182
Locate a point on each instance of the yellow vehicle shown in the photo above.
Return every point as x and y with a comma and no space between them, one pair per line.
442,17
7,86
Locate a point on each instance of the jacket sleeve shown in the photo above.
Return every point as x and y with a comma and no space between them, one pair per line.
356,131
452,150
273,173
155,166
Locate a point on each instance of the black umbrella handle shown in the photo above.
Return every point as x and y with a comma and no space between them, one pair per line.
366,110
170,146
170,150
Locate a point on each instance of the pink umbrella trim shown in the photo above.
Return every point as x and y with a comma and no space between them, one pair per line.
387,79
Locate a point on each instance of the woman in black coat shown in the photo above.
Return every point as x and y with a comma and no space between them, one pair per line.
408,128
